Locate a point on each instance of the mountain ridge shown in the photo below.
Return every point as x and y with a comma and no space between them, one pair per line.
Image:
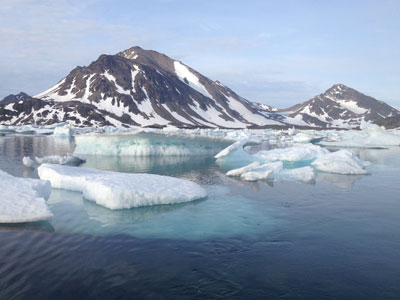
138,87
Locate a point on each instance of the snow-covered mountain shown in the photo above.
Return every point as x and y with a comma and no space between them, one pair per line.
138,87
340,106
141,88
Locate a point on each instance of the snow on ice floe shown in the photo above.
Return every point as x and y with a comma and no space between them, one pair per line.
23,199
116,190
341,162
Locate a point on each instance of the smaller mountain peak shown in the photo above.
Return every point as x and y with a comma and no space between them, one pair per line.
13,98
337,89
131,53
339,86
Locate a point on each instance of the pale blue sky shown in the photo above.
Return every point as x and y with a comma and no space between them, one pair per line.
275,52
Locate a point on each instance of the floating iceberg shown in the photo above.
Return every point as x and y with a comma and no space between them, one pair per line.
146,144
63,131
235,156
304,137
23,199
231,148
68,159
262,172
28,162
121,190
275,171
240,171
341,162
255,175
292,154
305,174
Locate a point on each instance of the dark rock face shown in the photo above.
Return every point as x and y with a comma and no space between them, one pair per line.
389,123
340,106
13,98
142,88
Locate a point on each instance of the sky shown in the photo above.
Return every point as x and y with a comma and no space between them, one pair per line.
275,52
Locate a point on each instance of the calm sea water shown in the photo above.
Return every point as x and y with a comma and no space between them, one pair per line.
336,239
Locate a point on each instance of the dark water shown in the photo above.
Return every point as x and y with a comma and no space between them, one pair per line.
336,239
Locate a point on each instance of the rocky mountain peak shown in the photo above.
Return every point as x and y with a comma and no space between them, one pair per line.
13,98
341,106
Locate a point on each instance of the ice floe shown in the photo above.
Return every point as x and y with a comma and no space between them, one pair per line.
235,146
240,171
69,159
23,199
63,131
262,172
28,162
116,190
292,154
304,174
146,144
341,162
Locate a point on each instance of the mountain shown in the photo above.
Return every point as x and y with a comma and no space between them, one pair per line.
340,106
140,88
14,98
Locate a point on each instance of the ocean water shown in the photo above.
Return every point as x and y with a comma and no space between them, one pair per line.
338,238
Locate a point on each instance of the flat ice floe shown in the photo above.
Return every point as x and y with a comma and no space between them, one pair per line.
116,190
341,162
23,199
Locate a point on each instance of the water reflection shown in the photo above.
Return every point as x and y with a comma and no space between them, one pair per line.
389,157
43,226
341,181
14,148
125,217
220,215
